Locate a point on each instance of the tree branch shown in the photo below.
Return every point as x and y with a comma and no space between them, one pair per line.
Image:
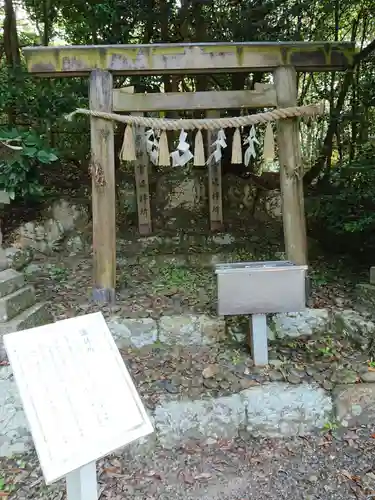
314,172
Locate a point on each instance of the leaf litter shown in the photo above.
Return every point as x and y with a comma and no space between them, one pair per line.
236,469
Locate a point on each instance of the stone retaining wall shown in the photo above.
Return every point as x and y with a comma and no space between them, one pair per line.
260,411
207,330
66,227
179,198
273,408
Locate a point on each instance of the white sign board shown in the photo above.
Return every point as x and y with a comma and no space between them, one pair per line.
78,396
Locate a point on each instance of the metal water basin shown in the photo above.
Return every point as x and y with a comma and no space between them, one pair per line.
260,287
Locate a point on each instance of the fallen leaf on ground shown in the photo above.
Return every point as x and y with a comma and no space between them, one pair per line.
111,470
351,435
210,371
153,473
203,475
187,478
349,476
357,491
116,462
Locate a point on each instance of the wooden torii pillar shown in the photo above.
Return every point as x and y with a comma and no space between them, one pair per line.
284,59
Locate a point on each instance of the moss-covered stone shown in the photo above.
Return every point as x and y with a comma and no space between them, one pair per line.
365,295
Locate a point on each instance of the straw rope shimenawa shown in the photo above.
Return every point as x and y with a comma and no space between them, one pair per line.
128,150
205,123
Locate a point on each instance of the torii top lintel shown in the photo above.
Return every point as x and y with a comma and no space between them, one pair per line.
156,59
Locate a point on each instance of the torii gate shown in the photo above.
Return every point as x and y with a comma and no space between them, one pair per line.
284,59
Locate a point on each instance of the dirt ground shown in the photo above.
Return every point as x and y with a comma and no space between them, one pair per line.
163,286
318,467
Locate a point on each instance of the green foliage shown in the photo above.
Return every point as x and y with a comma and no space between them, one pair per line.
344,209
22,154
58,273
41,104
347,206
330,426
175,277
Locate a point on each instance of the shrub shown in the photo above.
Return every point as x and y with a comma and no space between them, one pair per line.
21,154
346,206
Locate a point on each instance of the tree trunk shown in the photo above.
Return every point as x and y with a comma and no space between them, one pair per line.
201,81
11,43
11,50
47,21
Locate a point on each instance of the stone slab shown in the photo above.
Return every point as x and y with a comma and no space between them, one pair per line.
174,244
3,258
36,315
133,332
365,296
10,281
14,430
354,326
180,330
300,324
202,329
284,410
274,410
16,302
372,275
196,260
191,329
354,404
320,322
179,421
18,258
184,330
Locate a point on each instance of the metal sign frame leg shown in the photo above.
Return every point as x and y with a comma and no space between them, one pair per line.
81,484
259,339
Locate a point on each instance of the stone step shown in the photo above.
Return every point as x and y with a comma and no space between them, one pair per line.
10,281
275,410
16,302
193,260
178,242
204,330
192,250
36,315
365,297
